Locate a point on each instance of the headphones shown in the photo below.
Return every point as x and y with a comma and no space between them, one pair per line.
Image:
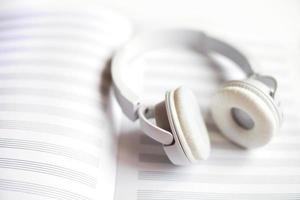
245,111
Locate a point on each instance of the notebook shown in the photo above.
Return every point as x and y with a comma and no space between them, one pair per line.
62,135
57,136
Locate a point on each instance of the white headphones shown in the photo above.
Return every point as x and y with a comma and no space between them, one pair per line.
245,111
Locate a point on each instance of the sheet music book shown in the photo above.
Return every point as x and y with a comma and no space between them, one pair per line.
57,140
62,135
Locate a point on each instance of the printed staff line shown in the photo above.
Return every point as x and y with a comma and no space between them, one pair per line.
201,72
155,89
255,43
52,93
92,76
74,15
43,168
203,96
197,84
49,89
233,153
45,126
16,33
54,149
265,68
43,150
64,31
225,144
202,66
62,39
270,58
54,24
50,63
66,14
193,82
291,132
214,138
217,178
193,63
79,26
204,103
291,115
33,54
53,129
186,195
48,169
226,162
178,73
55,78
53,110
198,70
48,34
51,48
188,69
288,146
176,77
38,189
70,51
79,17
192,60
145,140
90,80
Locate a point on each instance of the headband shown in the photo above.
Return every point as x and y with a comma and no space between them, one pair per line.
195,40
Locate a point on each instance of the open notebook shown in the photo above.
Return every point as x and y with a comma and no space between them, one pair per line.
56,134
59,127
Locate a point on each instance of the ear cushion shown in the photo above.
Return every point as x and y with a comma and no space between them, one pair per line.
255,103
189,125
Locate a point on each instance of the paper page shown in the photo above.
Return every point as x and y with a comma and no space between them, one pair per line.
56,133
271,172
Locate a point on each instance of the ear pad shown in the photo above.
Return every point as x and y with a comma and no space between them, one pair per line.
188,124
239,101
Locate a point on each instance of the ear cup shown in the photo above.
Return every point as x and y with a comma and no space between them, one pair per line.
188,124
253,100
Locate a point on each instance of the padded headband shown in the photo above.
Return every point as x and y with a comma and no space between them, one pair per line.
195,40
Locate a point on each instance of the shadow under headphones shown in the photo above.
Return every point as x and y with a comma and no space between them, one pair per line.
245,111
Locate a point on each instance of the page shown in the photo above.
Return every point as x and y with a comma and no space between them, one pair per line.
56,132
271,172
